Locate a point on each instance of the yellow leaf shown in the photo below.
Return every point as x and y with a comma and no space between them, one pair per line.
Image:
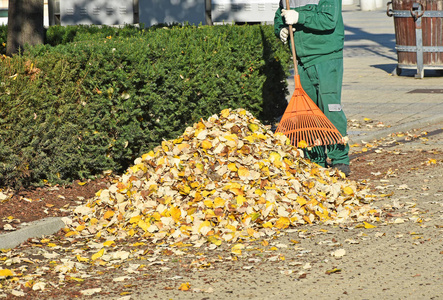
225,113
184,189
240,200
135,219
204,224
267,225
282,222
214,240
208,203
80,227
185,286
183,146
302,201
109,214
243,172
432,161
368,226
206,144
236,249
165,146
82,183
138,244
82,259
219,202
148,155
175,213
178,141
250,231
232,167
332,271
253,127
108,243
6,273
156,216
76,279
273,156
231,137
254,216
302,144
71,233
231,228
143,225
348,190
265,243
98,254
250,139
306,218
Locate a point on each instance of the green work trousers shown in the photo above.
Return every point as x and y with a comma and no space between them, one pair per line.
323,83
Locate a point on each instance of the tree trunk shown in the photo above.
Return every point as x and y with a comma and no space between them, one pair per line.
25,24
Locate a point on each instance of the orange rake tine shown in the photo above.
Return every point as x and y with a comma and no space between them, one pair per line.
304,121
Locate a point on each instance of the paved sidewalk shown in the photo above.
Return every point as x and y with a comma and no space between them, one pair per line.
370,90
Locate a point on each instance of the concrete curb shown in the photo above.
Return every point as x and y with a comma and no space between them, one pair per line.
35,229
418,124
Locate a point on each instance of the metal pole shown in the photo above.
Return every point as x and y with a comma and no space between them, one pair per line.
136,12
208,9
417,12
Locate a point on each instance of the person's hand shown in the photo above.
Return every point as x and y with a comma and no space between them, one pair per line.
291,16
284,33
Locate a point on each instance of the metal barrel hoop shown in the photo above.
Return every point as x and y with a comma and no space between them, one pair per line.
389,10
417,10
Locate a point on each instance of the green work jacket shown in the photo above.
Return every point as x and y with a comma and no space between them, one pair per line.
319,34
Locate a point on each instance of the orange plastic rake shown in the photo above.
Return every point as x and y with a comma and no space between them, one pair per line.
302,119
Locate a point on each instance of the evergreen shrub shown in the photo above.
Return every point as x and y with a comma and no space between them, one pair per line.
93,99
3,38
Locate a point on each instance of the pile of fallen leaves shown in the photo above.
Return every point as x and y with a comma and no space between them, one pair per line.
225,178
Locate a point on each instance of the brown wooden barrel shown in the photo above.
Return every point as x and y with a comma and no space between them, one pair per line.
431,30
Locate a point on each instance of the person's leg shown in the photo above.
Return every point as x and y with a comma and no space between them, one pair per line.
330,74
310,84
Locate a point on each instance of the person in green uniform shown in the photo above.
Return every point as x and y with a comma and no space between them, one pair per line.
319,38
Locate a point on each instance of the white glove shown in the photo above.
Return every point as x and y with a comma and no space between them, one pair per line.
291,16
284,33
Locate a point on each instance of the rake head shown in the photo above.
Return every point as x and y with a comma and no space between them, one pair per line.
304,121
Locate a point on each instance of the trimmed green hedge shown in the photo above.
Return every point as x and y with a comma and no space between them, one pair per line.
94,99
3,36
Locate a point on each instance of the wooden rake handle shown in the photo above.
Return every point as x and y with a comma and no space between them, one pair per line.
291,36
